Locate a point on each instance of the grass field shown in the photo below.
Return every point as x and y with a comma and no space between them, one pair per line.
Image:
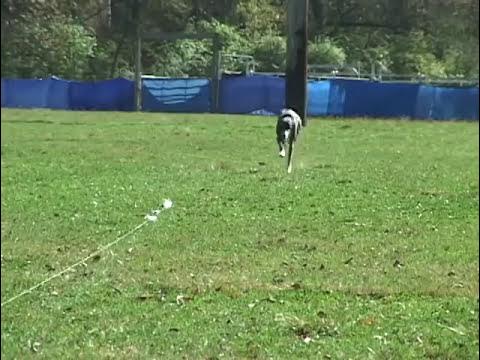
368,250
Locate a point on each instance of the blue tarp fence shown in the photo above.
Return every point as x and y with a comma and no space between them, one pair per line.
176,95
54,93
248,95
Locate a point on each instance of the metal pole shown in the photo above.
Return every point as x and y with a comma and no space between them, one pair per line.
217,75
297,43
138,58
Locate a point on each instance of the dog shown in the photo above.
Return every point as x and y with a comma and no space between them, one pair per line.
289,125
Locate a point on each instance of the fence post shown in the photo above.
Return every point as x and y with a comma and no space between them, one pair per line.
138,57
296,72
216,75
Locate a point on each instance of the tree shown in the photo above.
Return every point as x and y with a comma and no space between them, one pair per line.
91,38
41,49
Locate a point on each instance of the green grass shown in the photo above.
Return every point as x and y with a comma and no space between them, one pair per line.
369,248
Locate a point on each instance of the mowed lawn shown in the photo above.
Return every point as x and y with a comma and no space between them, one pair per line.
368,250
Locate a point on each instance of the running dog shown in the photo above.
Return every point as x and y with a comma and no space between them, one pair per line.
289,125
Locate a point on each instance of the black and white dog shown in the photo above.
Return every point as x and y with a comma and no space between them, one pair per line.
289,125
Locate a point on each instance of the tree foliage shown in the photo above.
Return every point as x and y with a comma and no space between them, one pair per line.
40,49
93,39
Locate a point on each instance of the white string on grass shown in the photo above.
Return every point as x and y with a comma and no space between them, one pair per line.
167,204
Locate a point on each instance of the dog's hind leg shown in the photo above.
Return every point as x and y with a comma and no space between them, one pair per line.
291,148
281,148
293,134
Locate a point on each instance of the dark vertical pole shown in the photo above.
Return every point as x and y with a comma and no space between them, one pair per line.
296,72
138,56
138,73
216,75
